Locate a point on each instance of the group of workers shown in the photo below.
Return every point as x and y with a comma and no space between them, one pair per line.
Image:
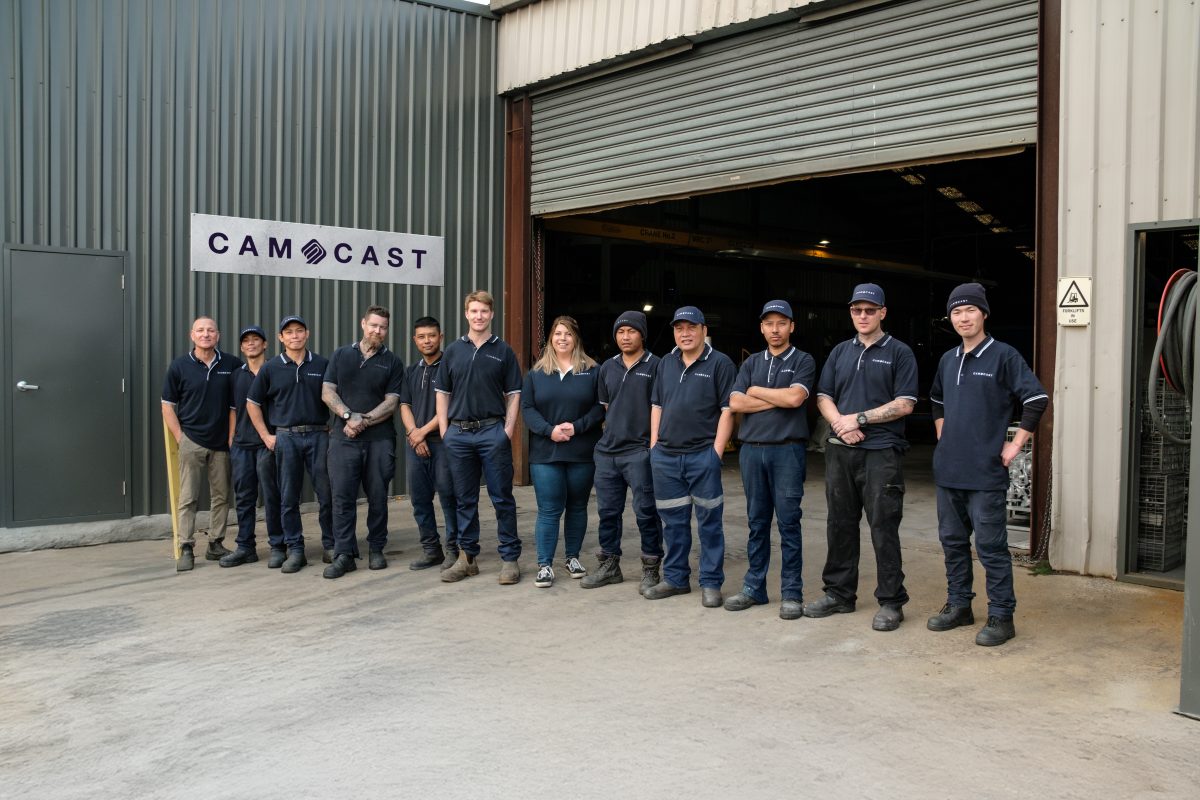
638,426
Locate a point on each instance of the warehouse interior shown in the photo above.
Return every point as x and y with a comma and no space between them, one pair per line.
917,230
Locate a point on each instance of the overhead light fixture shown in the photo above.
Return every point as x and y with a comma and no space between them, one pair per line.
647,308
986,219
823,243
950,193
913,178
1001,229
969,206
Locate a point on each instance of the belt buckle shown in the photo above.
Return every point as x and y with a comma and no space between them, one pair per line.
470,425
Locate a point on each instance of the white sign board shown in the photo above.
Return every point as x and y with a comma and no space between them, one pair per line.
244,246
1074,301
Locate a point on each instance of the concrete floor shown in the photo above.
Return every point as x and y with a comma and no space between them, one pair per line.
120,678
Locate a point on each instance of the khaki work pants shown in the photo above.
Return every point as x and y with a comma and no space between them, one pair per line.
194,462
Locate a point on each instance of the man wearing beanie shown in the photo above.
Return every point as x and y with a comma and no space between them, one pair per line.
623,454
977,386
867,386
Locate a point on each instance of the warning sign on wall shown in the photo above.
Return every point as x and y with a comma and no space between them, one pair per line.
1074,301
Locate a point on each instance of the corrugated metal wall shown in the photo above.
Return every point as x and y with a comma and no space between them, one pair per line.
120,118
1130,153
907,81
557,37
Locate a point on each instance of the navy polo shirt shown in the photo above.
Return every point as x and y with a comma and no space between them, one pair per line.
244,432
625,395
980,393
362,383
548,400
858,378
417,392
478,378
291,392
202,397
692,399
792,368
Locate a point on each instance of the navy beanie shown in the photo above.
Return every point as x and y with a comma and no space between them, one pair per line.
968,294
633,319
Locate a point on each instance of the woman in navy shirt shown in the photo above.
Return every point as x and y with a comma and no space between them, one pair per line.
563,416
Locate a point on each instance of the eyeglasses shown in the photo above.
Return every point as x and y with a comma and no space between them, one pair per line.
864,311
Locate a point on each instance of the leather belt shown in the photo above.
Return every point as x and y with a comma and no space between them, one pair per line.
476,424
775,444
303,429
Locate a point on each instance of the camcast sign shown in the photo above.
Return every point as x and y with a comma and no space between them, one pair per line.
244,246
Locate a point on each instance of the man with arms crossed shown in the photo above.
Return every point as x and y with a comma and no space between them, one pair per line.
362,389
427,462
196,400
770,390
867,387
289,385
690,424
478,396
976,388
623,455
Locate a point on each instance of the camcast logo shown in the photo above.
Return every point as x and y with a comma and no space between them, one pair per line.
313,252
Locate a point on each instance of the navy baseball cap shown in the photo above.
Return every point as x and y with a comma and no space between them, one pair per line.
777,307
255,329
688,314
290,319
868,293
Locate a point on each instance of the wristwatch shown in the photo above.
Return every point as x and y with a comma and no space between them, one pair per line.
861,419
346,414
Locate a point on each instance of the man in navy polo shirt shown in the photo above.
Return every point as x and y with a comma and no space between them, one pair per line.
426,459
975,391
362,389
253,463
478,395
289,385
690,424
771,389
196,401
867,387
623,455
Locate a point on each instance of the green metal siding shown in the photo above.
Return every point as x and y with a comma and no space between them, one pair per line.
119,118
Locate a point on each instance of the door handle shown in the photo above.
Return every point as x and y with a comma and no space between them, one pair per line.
22,386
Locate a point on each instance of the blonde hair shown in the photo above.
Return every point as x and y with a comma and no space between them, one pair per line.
580,360
479,296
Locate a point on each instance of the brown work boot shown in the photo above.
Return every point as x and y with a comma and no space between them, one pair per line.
464,567
510,573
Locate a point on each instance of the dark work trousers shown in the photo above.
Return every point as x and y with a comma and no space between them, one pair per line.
773,477
857,479
485,453
614,474
295,454
254,476
680,483
425,476
371,465
961,511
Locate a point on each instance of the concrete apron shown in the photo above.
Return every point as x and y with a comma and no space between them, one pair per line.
120,677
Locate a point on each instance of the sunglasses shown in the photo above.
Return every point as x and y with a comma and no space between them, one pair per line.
866,311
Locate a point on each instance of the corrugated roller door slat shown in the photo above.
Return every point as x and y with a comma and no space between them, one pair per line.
910,81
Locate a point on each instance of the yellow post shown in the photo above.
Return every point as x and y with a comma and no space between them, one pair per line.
172,450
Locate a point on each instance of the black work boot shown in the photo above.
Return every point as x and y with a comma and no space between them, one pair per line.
216,551
950,617
651,573
376,560
998,630
451,558
662,589
186,559
295,560
239,557
428,560
276,558
826,606
327,555
341,564
608,572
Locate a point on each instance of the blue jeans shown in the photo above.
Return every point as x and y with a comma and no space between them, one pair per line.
679,483
425,476
254,474
487,454
613,475
296,453
561,487
371,465
985,511
773,477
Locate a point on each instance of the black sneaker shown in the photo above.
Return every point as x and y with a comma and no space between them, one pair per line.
545,577
950,617
998,630
575,569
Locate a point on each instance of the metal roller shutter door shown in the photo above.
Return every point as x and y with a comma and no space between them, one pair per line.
910,81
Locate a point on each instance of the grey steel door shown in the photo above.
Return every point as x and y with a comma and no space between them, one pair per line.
68,442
